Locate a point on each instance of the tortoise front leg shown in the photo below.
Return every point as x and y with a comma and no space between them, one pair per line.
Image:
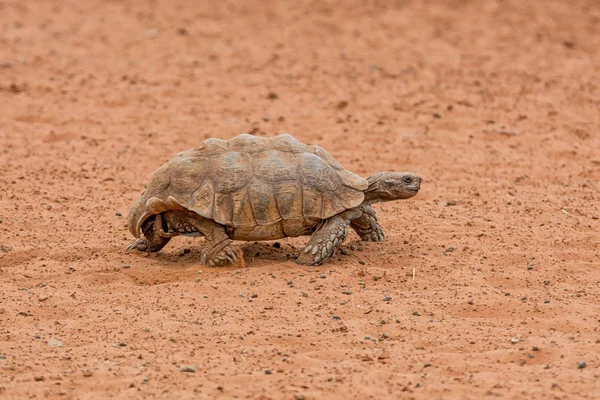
153,239
366,226
324,241
218,249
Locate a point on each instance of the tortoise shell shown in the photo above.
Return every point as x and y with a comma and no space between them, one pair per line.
259,187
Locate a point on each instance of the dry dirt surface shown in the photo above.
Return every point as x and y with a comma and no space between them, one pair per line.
487,284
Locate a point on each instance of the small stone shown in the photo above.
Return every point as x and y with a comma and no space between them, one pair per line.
126,266
268,372
5,248
272,96
42,298
516,339
361,262
347,292
118,214
277,245
298,396
2,357
122,344
547,301
37,337
581,365
336,317
322,276
416,313
38,378
530,267
368,337
55,343
254,296
187,368
451,203
387,299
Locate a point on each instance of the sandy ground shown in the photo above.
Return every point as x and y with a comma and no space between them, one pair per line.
493,269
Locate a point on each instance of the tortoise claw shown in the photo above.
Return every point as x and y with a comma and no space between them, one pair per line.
141,244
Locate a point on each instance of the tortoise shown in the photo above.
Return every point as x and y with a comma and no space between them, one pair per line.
254,188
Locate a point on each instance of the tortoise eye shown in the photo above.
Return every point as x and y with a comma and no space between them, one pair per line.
406,179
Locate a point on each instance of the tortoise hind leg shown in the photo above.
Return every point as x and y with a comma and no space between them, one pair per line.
152,240
324,241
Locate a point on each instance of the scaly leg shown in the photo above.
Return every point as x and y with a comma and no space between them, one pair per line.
324,241
367,226
218,249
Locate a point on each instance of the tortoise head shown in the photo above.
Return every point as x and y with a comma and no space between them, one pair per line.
134,217
388,186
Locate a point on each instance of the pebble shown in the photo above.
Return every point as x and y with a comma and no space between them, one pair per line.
254,296
367,337
55,343
2,357
187,368
336,317
547,301
298,396
268,372
126,266
581,365
322,276
277,245
535,348
361,262
530,267
118,214
122,344
347,292
37,337
387,298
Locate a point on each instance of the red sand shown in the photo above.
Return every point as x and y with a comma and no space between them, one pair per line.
495,103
